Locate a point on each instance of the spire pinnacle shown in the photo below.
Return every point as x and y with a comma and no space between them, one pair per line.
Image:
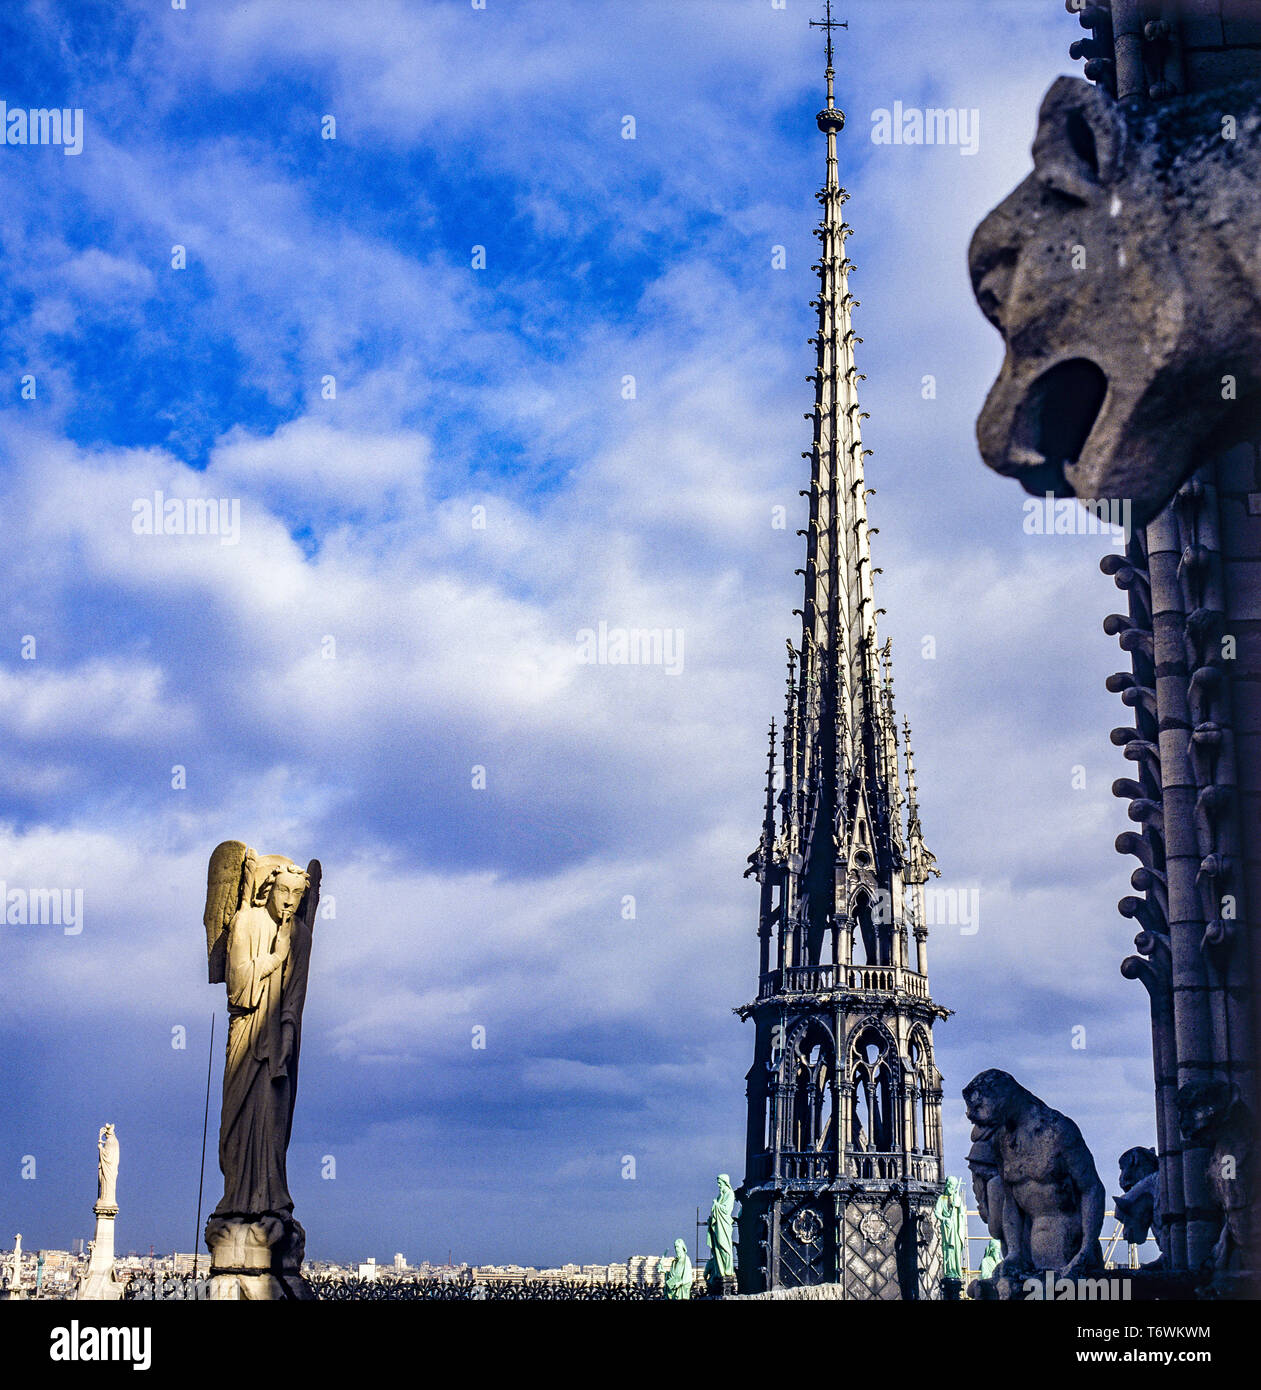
910,770
769,822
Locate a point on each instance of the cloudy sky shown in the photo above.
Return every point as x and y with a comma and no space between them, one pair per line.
376,343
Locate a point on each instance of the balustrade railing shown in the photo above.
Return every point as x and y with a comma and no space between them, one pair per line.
869,1164
797,1165
817,979
807,1165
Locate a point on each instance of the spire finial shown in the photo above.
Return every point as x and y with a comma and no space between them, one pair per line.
827,24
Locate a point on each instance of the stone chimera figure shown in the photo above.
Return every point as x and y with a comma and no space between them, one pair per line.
1138,1203
1052,1199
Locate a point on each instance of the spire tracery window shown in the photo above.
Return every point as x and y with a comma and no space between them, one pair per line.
873,1127
813,1083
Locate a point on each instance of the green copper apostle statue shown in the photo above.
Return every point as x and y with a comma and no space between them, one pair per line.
679,1274
952,1220
718,1228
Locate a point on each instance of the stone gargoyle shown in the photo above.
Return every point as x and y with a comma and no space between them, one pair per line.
1138,1204
1052,1201
1125,277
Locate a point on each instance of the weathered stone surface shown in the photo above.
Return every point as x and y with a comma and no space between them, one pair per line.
987,1186
1211,1115
1052,1199
1125,277
256,1261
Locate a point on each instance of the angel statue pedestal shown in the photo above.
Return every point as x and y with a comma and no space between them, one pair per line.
260,916
101,1283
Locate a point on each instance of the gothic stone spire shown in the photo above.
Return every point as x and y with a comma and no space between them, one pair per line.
844,1133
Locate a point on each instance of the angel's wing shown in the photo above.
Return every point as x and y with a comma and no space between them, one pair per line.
223,897
311,898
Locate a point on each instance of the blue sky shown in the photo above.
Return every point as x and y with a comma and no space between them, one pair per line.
502,388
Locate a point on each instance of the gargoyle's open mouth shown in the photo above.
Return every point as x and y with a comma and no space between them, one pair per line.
1053,423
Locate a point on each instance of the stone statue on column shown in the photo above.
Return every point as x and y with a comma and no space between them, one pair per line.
100,1282
259,919
13,1287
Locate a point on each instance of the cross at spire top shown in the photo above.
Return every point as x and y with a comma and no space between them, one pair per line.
828,24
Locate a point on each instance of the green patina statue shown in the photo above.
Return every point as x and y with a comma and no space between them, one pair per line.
718,1228
952,1220
991,1258
679,1275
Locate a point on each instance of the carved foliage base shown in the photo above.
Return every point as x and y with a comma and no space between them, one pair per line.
257,1259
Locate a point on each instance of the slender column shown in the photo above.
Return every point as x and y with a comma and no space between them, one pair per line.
1153,968
908,1126
1238,482
784,1091
1224,899
1127,29
1191,1005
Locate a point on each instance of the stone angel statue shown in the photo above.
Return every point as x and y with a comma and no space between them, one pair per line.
259,919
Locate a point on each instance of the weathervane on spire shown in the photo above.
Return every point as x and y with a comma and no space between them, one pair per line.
829,24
